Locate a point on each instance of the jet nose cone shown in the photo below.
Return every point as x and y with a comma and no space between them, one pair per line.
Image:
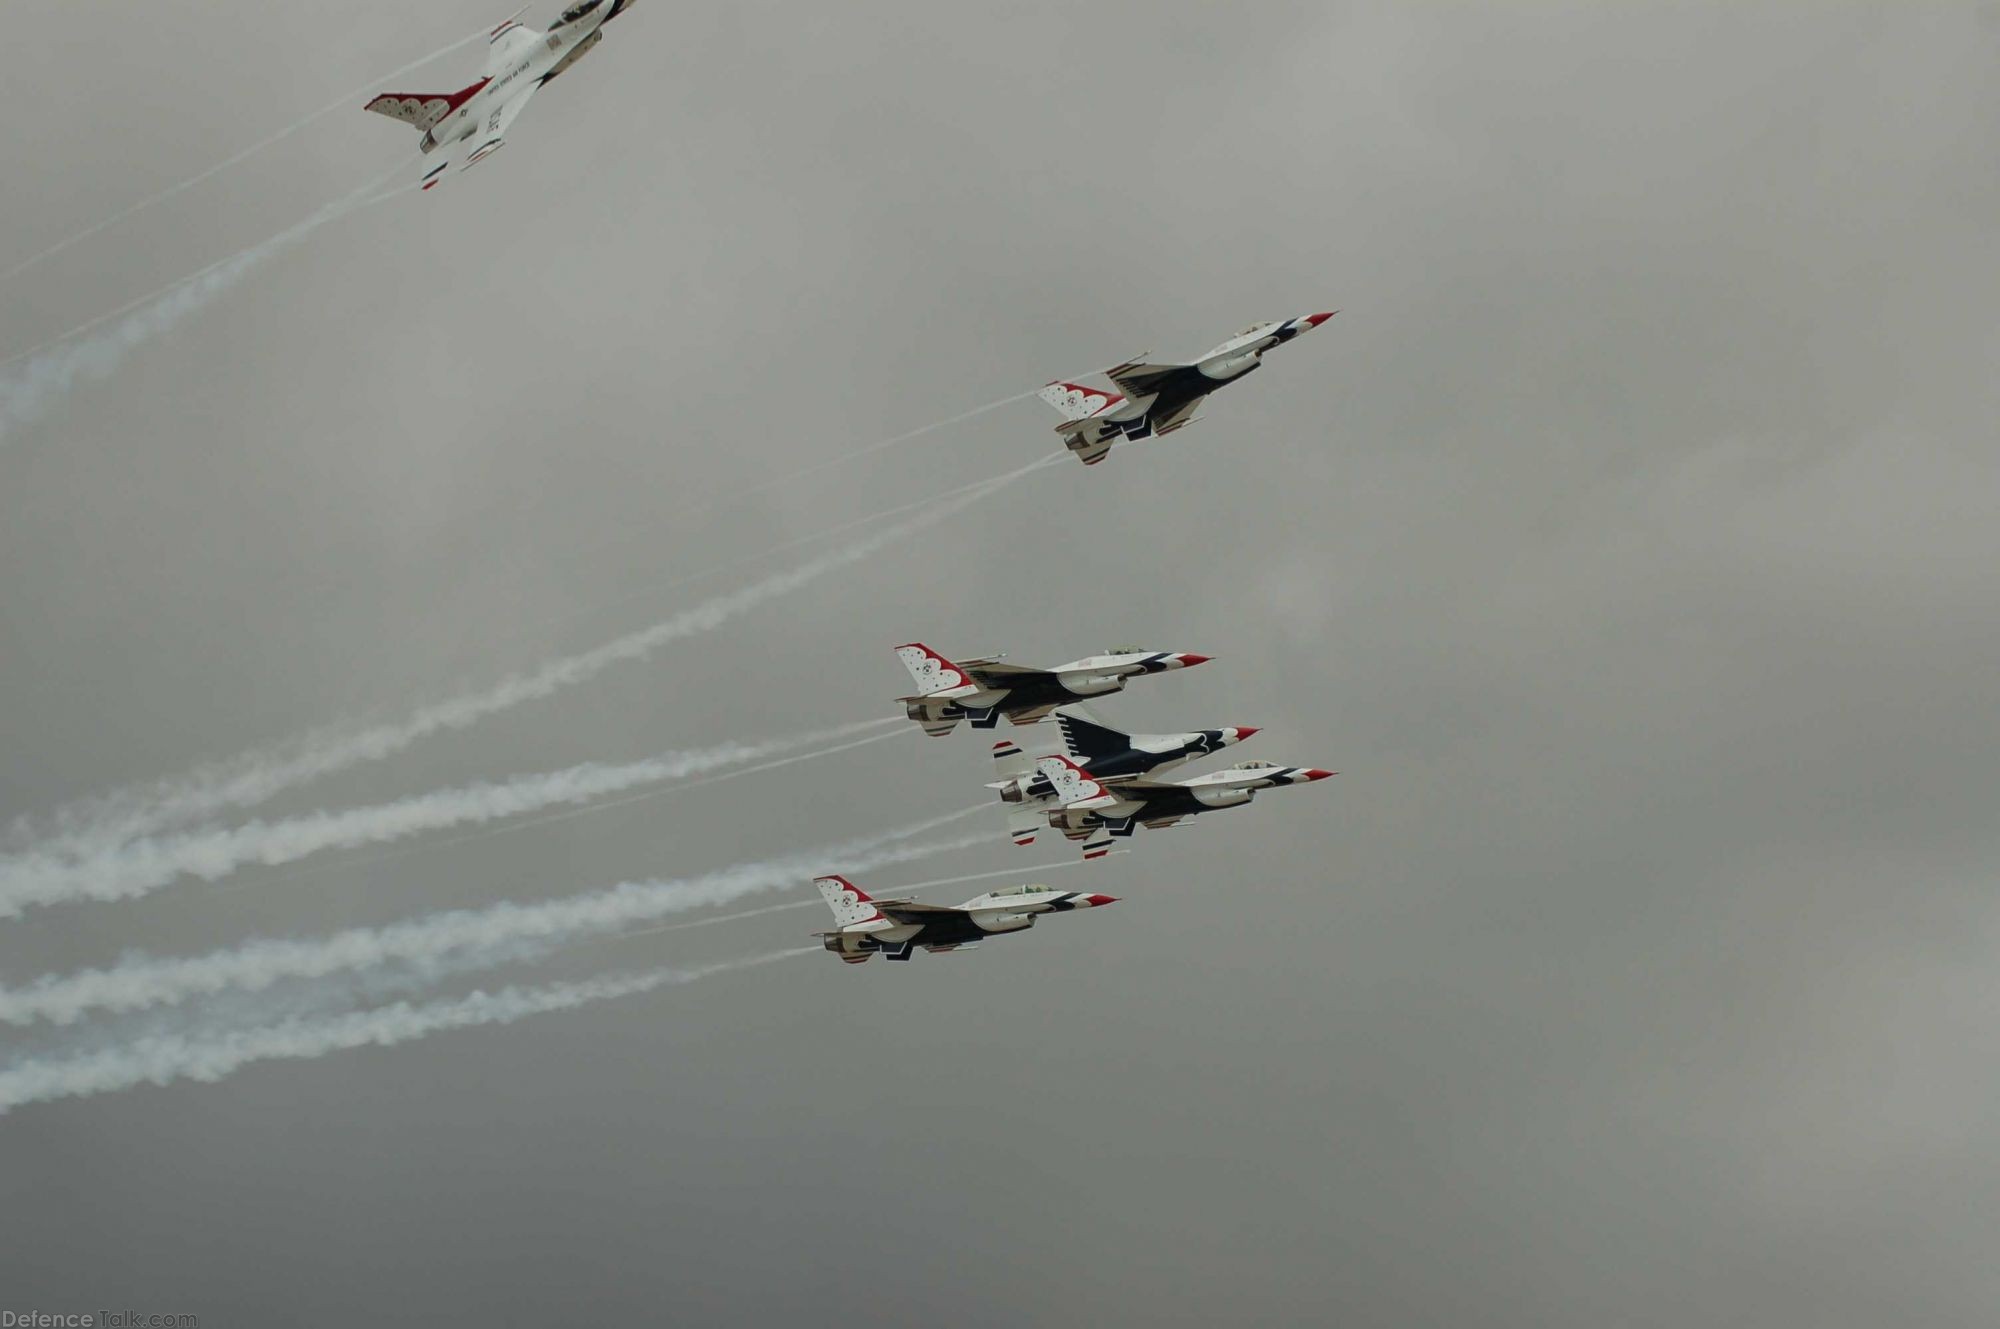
1189,661
1099,901
1314,320
1244,731
1317,774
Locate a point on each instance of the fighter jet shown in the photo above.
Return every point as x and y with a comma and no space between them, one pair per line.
1092,810
471,124
1107,755
983,690
895,928
1158,399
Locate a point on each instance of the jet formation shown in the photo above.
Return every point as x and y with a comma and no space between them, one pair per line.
1105,782
1101,787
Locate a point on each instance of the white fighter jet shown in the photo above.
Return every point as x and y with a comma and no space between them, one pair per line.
1107,755
895,928
1092,810
985,689
470,125
1158,399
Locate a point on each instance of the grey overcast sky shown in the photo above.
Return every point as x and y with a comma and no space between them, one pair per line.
1628,544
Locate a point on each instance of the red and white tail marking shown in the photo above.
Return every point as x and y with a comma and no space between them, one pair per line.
1073,784
1077,402
932,671
422,109
849,903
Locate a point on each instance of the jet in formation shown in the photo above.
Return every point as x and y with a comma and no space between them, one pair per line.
1105,754
896,928
1160,398
470,125
1092,810
985,689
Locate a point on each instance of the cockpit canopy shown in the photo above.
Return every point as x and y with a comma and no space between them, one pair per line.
1021,890
1126,650
577,11
1257,764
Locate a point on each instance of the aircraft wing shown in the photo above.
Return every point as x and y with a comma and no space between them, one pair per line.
908,911
994,674
1137,380
1033,715
1176,418
1141,789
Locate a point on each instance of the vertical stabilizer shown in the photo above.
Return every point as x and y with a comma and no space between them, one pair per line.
849,903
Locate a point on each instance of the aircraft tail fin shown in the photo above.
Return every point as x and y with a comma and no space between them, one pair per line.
1072,783
422,110
1087,740
850,904
1009,762
1024,824
1077,402
932,672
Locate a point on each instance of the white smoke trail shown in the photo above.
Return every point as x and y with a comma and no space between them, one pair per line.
126,871
713,502
162,1059
344,102
736,564
605,805
112,819
451,941
49,371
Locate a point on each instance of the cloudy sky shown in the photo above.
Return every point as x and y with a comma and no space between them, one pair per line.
1628,544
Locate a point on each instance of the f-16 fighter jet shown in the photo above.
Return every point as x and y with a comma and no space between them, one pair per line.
983,690
1158,399
895,928
471,124
1107,755
1093,810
